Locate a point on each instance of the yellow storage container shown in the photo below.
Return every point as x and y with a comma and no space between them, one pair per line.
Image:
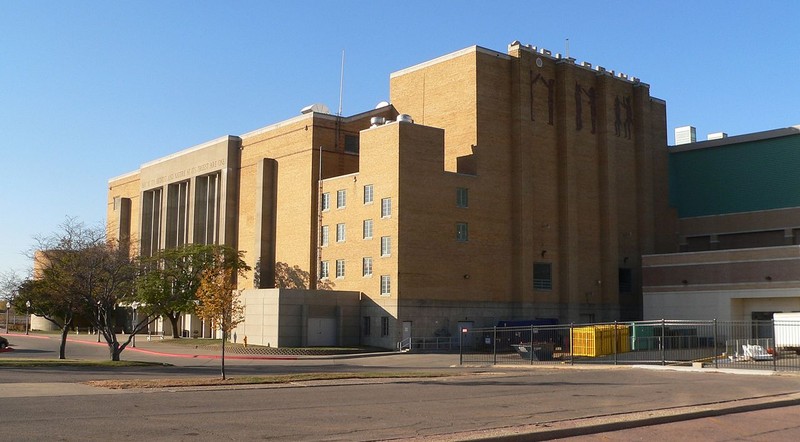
598,340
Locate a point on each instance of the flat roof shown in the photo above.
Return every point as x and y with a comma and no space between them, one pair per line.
736,139
447,57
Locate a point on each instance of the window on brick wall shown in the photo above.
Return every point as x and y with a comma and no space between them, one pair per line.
366,328
462,232
326,201
384,326
543,276
324,269
462,197
368,195
386,245
341,198
367,229
323,236
386,285
366,266
340,232
340,268
386,207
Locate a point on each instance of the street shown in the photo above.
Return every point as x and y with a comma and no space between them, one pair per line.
484,402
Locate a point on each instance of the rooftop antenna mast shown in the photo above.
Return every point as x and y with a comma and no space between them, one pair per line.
567,48
341,85
320,175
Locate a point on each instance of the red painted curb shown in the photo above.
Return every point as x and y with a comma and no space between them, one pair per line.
172,355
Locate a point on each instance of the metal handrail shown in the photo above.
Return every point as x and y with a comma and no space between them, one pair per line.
404,345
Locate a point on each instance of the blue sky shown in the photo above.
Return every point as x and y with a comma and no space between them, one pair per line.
90,90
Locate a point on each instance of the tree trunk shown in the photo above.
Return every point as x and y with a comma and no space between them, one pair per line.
62,349
115,350
224,337
173,319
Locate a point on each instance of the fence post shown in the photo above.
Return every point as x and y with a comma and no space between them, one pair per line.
663,344
614,344
531,355
460,347
494,344
714,355
774,348
571,343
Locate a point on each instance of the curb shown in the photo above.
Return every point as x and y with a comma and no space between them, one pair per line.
624,421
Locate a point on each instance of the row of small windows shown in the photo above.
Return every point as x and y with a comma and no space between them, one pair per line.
341,199
366,271
543,278
368,325
462,234
462,199
341,236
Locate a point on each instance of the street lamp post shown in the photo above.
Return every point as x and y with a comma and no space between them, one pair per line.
27,316
98,321
135,325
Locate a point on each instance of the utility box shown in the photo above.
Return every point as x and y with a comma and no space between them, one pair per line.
642,337
598,340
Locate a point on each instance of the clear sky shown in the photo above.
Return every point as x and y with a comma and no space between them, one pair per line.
92,89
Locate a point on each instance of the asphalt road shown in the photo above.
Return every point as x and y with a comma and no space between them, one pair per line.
490,402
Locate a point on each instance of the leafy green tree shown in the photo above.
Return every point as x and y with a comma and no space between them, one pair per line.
53,303
218,295
168,280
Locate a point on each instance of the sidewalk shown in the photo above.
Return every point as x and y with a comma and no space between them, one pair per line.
166,346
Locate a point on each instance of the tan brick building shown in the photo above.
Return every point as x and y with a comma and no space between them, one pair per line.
527,186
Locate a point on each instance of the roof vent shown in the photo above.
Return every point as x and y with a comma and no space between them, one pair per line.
316,107
717,136
685,135
381,104
405,118
376,121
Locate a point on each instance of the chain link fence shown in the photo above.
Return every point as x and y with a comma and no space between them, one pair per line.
770,345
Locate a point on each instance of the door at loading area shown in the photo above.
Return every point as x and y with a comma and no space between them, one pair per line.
321,332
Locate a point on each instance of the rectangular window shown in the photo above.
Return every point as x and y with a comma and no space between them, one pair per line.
340,232
341,198
351,143
324,270
462,197
368,194
625,281
386,245
326,201
206,208
384,326
386,207
367,325
386,285
367,229
177,215
340,268
462,232
542,276
366,266
323,237
151,222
